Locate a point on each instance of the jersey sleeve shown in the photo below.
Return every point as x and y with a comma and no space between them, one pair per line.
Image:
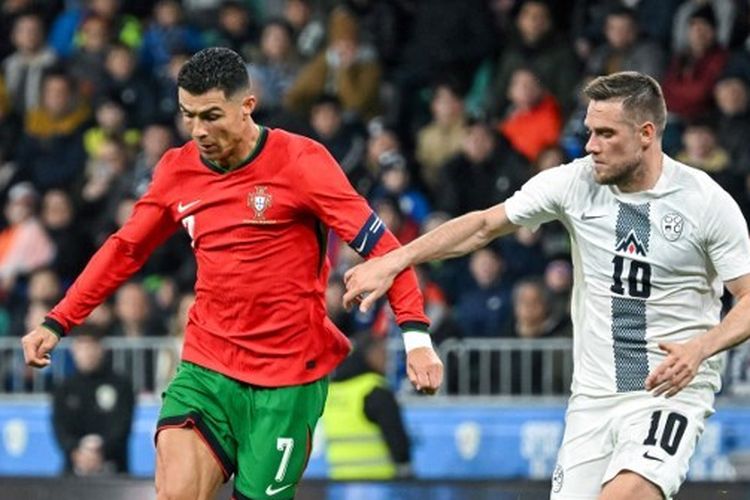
542,198
726,237
328,193
121,255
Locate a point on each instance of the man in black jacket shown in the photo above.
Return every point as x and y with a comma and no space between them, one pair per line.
93,411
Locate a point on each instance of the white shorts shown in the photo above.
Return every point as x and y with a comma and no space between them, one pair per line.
651,436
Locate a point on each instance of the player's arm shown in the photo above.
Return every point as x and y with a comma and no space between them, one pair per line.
459,236
326,190
119,257
683,360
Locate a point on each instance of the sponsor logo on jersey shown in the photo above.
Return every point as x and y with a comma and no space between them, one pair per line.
672,225
631,244
260,201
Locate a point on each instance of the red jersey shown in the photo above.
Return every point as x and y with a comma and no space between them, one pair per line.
259,234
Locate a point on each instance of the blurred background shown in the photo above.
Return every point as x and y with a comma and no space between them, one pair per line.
433,108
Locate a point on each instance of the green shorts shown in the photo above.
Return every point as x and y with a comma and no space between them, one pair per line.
261,435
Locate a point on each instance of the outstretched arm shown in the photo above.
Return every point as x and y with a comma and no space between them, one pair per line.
370,280
683,360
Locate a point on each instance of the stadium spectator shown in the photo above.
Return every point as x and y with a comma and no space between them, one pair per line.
86,62
65,34
308,28
485,309
624,48
72,241
395,181
538,45
486,171
25,67
130,86
168,34
345,140
443,136
693,72
347,68
725,15
24,245
235,28
92,411
533,119
365,434
732,96
276,66
51,152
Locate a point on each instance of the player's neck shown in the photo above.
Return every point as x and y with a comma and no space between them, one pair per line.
244,150
646,175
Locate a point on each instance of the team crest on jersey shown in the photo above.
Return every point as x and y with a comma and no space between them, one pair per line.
672,225
260,201
631,244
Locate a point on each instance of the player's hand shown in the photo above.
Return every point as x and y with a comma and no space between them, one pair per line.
677,369
425,370
37,346
367,282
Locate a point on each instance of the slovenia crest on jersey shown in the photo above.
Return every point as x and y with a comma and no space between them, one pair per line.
672,225
260,201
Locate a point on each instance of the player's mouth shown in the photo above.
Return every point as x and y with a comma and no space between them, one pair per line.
207,148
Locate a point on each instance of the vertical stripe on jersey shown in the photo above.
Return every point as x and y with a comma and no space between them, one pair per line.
629,314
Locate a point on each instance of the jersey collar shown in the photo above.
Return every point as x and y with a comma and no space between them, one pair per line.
262,136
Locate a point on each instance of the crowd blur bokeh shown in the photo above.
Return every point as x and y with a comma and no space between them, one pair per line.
433,108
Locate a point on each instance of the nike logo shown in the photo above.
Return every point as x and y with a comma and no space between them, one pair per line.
651,457
183,208
271,491
592,216
362,246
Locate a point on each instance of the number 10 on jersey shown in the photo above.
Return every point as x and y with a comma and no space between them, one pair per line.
638,277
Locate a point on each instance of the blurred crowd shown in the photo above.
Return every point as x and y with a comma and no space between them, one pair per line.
433,108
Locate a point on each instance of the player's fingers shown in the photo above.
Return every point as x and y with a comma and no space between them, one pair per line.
412,377
350,298
368,301
436,375
657,376
348,275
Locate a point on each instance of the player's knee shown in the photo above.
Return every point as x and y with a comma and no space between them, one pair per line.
175,489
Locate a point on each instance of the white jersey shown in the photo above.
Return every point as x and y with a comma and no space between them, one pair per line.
649,267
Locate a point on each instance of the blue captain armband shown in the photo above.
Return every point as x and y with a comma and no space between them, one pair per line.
368,236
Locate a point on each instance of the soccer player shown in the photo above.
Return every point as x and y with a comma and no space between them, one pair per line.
258,348
653,242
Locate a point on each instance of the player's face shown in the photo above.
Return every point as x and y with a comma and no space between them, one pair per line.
218,124
615,143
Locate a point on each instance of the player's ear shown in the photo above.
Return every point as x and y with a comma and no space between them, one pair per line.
248,104
648,133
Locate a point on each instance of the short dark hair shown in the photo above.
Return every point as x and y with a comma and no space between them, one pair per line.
214,68
641,96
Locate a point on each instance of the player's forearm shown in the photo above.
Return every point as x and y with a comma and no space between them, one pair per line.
456,237
733,330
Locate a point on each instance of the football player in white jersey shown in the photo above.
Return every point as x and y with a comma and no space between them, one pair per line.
654,242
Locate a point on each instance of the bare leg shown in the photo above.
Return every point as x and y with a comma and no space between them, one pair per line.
627,484
185,467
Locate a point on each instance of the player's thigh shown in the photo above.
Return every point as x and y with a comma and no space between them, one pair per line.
274,448
627,484
185,467
656,438
584,453
194,432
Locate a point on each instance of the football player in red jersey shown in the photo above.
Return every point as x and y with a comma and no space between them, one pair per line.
257,204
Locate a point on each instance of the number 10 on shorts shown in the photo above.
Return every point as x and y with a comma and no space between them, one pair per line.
671,435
